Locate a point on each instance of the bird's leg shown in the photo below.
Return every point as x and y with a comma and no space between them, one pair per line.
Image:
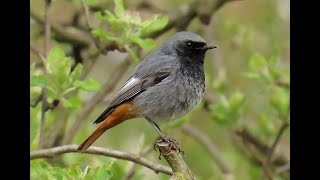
173,144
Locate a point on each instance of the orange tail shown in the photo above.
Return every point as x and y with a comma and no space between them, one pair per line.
117,116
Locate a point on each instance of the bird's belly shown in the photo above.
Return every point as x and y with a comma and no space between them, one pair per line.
169,100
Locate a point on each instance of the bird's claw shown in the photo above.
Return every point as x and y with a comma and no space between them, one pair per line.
173,145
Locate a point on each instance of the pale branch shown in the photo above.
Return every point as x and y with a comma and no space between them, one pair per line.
89,27
209,145
175,160
37,52
108,87
47,4
86,13
47,27
40,54
58,127
72,148
80,38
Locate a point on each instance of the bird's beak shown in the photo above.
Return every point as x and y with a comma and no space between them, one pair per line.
205,48
210,47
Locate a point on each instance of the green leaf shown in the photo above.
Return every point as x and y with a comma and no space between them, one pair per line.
88,85
224,101
76,73
280,100
265,125
285,75
257,62
92,2
219,84
34,123
59,68
55,54
146,44
73,102
119,8
101,33
219,113
252,75
273,61
38,80
237,100
108,15
103,173
223,112
100,172
275,73
155,24
120,25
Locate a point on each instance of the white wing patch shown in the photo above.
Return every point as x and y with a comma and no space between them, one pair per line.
129,84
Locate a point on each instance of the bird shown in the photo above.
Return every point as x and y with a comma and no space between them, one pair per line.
164,86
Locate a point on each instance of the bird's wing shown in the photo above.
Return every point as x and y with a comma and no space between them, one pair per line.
148,73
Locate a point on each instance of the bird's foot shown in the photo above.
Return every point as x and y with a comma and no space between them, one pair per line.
172,144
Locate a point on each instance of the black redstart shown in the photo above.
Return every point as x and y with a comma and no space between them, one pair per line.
165,86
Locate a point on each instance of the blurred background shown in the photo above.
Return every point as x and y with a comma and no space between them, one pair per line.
239,131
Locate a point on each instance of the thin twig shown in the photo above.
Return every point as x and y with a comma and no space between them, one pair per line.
57,128
254,145
72,148
262,148
276,141
47,27
258,158
86,12
89,28
36,101
209,145
37,52
246,136
44,89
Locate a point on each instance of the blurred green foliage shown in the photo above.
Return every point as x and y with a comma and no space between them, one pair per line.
247,77
60,81
127,28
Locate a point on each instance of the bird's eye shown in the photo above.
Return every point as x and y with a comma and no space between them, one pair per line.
189,44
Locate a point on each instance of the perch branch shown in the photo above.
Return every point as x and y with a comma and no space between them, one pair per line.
72,148
175,160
